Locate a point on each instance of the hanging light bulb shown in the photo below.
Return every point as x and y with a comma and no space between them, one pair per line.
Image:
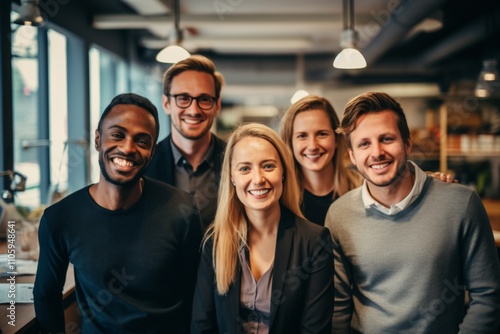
482,89
489,71
174,52
298,95
29,14
350,57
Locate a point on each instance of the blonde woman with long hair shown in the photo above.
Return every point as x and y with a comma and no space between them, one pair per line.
264,268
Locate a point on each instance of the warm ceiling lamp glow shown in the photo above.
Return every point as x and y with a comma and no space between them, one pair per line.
298,95
350,57
481,90
172,54
29,14
489,71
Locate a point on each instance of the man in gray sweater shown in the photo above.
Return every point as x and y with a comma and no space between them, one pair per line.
408,248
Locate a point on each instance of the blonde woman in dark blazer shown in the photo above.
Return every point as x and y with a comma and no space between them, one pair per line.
264,268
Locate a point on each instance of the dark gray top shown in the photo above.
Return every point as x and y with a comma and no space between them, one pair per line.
200,182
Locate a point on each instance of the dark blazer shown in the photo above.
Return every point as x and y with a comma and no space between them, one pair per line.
162,168
302,285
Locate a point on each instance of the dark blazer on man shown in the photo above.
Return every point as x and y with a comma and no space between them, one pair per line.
162,167
302,285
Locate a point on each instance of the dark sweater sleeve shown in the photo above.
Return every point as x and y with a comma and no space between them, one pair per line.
481,271
191,257
204,313
49,281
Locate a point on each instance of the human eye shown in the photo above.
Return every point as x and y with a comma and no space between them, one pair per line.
144,142
387,139
205,99
116,135
300,135
269,166
323,134
243,169
363,144
183,98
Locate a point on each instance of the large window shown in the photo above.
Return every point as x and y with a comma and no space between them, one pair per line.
40,121
58,115
26,113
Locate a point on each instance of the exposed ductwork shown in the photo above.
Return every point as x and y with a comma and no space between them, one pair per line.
396,23
408,14
468,35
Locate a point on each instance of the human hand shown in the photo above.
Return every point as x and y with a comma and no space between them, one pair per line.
449,178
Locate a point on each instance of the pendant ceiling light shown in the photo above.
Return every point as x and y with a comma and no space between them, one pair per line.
29,14
488,77
489,71
349,57
174,52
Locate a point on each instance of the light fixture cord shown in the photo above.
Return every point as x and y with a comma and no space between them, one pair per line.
176,9
351,14
345,13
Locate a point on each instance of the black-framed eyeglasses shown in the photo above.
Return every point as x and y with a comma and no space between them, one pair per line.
204,102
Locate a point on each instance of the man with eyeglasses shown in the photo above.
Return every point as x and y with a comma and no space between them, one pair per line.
190,157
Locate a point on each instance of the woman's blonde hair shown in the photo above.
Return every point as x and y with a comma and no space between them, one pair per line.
345,178
229,229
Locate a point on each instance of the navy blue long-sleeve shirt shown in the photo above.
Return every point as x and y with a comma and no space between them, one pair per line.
134,269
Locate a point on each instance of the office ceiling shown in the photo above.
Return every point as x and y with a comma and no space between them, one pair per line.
283,43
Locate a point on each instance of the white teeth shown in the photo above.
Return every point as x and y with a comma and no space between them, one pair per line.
192,121
259,192
122,162
380,166
312,156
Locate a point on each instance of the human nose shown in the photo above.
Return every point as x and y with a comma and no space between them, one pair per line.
258,177
312,143
128,146
377,150
194,107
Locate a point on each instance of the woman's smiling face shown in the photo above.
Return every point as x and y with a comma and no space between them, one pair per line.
313,140
257,172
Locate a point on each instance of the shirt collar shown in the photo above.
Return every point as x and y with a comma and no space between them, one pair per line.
420,177
179,158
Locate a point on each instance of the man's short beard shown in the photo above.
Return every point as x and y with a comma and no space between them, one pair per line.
125,184
201,135
400,173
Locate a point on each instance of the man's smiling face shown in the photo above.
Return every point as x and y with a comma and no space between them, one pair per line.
125,141
192,122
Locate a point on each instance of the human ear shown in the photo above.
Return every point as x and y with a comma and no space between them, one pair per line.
97,139
166,104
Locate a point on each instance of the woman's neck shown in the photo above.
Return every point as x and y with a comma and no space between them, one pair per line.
319,183
264,222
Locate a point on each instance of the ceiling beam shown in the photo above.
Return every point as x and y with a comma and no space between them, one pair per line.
235,44
148,7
